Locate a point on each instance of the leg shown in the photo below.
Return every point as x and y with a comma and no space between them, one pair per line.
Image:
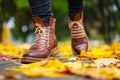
78,34
41,8
45,43
74,7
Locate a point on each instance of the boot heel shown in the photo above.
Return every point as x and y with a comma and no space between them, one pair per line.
54,52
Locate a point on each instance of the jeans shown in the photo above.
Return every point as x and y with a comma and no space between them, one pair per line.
43,8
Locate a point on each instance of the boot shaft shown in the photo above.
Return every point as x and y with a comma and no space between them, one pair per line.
77,17
52,21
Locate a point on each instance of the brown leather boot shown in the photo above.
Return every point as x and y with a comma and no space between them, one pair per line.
78,35
45,43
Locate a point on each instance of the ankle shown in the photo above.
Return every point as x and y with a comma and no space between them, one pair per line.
76,16
45,19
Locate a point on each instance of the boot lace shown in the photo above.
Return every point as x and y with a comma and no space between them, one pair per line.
42,35
77,29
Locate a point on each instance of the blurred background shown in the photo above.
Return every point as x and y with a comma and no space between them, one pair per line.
102,21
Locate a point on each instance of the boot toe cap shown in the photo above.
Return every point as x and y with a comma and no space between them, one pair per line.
36,54
78,48
28,54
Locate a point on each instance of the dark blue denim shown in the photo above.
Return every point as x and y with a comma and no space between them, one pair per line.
75,6
43,8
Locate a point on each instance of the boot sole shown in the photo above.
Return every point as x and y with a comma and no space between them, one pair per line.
52,54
